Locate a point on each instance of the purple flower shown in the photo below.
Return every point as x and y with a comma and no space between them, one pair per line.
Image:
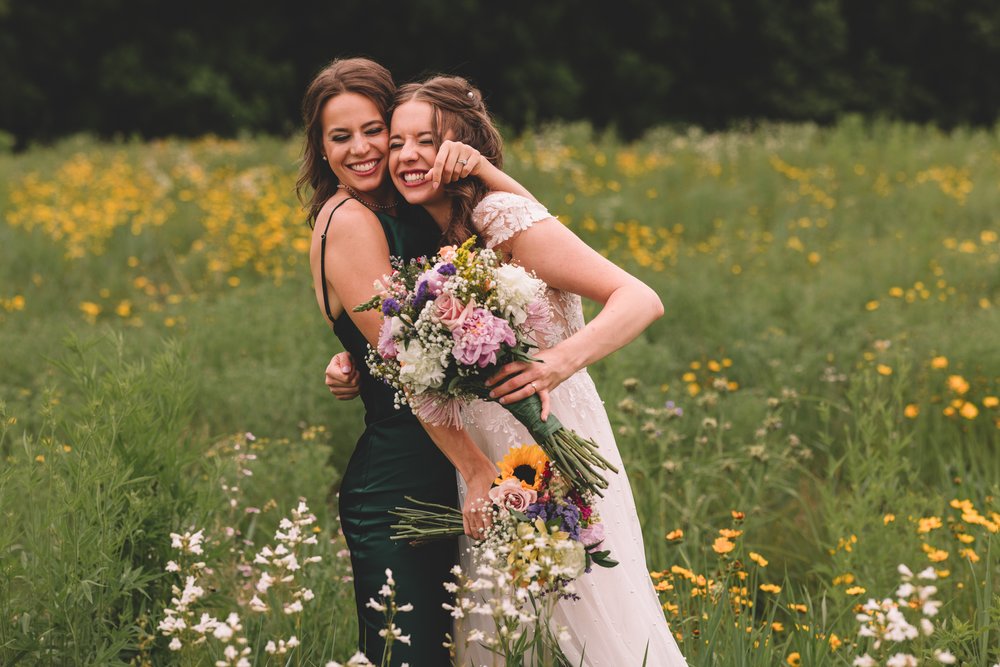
568,515
446,269
390,307
433,282
421,296
478,340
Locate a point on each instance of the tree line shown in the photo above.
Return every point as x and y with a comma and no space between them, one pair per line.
149,68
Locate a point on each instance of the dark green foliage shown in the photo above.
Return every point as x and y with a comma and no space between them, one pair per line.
189,68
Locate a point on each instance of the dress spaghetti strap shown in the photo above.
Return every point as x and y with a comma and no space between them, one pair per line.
322,261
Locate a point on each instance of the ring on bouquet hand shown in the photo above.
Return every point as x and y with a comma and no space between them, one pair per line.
462,162
533,387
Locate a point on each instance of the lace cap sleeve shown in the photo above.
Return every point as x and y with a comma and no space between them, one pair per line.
501,215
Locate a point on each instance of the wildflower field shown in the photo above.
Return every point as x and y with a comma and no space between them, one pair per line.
812,431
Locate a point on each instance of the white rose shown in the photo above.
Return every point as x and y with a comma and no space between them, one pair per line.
516,289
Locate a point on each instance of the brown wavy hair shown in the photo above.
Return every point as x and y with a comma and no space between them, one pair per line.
346,75
459,110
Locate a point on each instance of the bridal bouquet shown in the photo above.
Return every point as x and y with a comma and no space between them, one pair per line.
448,323
544,532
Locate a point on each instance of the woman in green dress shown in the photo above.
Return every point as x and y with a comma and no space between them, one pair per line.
358,220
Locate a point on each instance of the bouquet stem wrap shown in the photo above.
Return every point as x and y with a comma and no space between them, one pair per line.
576,457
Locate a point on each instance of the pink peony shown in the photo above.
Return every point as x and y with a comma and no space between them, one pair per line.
478,339
592,535
451,311
510,495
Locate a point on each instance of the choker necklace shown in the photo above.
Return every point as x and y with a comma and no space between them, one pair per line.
354,194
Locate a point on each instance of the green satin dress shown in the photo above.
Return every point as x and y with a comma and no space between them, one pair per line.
395,458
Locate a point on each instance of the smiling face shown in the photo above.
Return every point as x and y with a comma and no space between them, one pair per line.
356,142
412,152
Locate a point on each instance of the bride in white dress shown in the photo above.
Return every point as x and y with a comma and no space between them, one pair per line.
618,614
617,620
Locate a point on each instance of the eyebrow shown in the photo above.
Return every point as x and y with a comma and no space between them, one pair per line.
344,129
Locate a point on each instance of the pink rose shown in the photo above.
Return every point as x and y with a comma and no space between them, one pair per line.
592,535
447,253
451,311
510,496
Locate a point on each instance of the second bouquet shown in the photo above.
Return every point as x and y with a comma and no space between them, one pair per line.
448,323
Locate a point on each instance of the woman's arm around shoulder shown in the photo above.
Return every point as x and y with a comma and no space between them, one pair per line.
559,257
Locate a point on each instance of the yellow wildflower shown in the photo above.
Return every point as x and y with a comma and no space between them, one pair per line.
770,588
757,558
939,362
958,384
794,659
927,524
970,554
722,545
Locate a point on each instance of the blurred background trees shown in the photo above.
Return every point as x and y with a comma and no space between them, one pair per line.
149,68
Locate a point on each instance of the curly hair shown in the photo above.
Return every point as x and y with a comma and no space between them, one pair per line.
459,115
346,75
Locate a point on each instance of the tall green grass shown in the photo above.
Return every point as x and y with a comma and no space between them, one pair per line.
824,288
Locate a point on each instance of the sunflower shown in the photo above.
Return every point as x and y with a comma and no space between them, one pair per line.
526,463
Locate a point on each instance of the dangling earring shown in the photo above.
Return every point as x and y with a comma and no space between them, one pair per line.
324,158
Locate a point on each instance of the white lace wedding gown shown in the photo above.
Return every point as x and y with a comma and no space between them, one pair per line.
618,613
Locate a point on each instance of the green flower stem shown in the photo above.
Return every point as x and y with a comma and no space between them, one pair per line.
575,456
418,524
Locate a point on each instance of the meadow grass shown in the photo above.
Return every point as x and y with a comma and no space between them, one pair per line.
818,406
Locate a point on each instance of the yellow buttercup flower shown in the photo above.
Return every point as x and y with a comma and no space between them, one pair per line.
722,545
526,463
958,384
